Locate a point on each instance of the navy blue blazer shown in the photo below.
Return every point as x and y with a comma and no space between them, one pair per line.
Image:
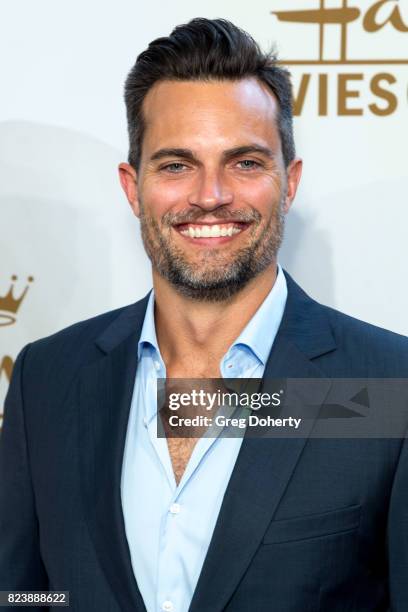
306,525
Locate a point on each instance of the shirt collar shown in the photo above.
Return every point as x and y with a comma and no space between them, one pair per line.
259,333
148,334
267,317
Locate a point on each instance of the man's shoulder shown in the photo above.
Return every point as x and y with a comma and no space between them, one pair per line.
368,347
77,342
86,330
346,326
347,346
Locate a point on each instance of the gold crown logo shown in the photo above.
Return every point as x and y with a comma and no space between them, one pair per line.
9,304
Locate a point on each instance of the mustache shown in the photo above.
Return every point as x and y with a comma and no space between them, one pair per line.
192,216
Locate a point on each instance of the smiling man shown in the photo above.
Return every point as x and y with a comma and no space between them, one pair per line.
92,500
211,198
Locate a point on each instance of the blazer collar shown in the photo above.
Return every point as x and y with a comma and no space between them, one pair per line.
304,323
129,322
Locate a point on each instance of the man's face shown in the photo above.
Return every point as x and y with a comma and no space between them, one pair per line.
211,190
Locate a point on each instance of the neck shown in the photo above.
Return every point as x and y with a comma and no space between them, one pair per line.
189,328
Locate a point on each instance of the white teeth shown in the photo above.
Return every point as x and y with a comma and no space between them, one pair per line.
210,231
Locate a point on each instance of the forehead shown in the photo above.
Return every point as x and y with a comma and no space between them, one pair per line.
180,113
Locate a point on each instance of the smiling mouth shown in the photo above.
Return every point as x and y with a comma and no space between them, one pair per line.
217,230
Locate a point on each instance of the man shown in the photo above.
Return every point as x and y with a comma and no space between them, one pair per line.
92,501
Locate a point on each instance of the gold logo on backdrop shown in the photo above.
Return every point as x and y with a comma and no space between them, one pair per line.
9,306
381,14
372,22
6,366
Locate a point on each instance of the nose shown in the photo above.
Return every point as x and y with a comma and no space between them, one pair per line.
210,191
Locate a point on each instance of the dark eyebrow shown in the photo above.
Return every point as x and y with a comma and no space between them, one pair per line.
228,154
173,152
243,150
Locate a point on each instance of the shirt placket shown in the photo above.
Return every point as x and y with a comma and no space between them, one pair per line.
171,569
171,565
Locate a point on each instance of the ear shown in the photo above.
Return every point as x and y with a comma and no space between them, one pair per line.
128,180
293,174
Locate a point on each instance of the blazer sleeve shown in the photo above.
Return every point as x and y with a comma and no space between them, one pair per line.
21,567
398,535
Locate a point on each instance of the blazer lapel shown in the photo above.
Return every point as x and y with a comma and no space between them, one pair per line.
106,388
264,466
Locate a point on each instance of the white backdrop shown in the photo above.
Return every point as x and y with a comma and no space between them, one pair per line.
65,222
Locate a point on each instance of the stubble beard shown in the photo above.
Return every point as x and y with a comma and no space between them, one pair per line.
216,275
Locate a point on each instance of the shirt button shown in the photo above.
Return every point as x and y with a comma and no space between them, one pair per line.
157,365
167,606
175,508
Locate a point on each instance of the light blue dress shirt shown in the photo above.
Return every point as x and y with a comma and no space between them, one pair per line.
169,526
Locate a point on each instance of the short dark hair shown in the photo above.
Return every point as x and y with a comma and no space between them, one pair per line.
206,49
